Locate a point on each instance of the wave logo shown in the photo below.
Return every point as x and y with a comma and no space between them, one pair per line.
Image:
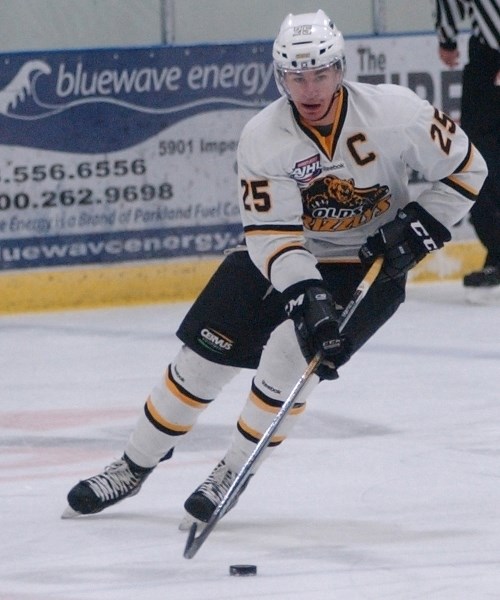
22,87
132,87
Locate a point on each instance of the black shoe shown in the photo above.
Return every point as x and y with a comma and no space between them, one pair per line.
487,277
121,479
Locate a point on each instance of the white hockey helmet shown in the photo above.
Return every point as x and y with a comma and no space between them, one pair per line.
305,42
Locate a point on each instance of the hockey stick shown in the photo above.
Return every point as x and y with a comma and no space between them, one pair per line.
194,542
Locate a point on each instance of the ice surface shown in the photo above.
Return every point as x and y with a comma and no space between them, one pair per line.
388,489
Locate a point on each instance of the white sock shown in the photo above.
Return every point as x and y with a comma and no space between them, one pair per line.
280,367
174,405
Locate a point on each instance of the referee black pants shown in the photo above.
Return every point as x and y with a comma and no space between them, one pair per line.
481,121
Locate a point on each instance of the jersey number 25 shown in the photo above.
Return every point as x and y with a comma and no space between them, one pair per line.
443,126
255,195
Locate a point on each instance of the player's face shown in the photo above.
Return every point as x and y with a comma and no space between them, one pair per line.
311,91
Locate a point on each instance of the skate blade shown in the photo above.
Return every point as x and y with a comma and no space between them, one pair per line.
483,295
187,523
69,513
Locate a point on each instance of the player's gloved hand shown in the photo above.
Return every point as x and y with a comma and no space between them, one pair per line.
405,241
310,306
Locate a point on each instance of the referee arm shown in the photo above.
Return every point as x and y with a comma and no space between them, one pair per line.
448,14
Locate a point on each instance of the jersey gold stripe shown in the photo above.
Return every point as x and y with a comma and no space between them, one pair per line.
461,187
280,252
463,167
163,424
327,144
343,260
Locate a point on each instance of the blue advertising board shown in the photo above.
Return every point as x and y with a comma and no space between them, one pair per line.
124,154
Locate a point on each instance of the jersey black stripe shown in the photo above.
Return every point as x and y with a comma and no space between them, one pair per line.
465,160
281,253
271,227
342,117
458,188
338,126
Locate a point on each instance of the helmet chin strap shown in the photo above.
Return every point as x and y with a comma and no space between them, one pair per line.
334,95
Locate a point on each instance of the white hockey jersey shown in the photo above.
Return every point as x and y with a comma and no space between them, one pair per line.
309,196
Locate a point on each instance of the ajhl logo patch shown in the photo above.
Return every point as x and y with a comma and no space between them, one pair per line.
306,170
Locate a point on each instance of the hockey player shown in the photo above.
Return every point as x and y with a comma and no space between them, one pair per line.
324,190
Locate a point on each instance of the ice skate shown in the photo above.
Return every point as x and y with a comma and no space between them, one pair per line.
204,500
483,287
121,479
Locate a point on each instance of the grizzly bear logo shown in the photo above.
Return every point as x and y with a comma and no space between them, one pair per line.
333,203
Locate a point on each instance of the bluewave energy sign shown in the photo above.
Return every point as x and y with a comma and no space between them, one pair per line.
123,155
112,156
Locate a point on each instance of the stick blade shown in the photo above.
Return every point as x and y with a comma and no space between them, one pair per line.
191,547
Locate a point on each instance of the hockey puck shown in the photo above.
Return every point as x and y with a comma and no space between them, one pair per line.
242,570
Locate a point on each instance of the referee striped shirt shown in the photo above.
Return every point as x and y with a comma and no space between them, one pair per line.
484,17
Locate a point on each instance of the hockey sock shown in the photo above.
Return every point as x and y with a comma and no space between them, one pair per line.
280,367
174,405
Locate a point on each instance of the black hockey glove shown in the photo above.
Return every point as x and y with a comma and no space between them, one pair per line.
310,306
405,241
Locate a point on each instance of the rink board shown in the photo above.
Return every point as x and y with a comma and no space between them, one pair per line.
104,286
140,201
171,281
